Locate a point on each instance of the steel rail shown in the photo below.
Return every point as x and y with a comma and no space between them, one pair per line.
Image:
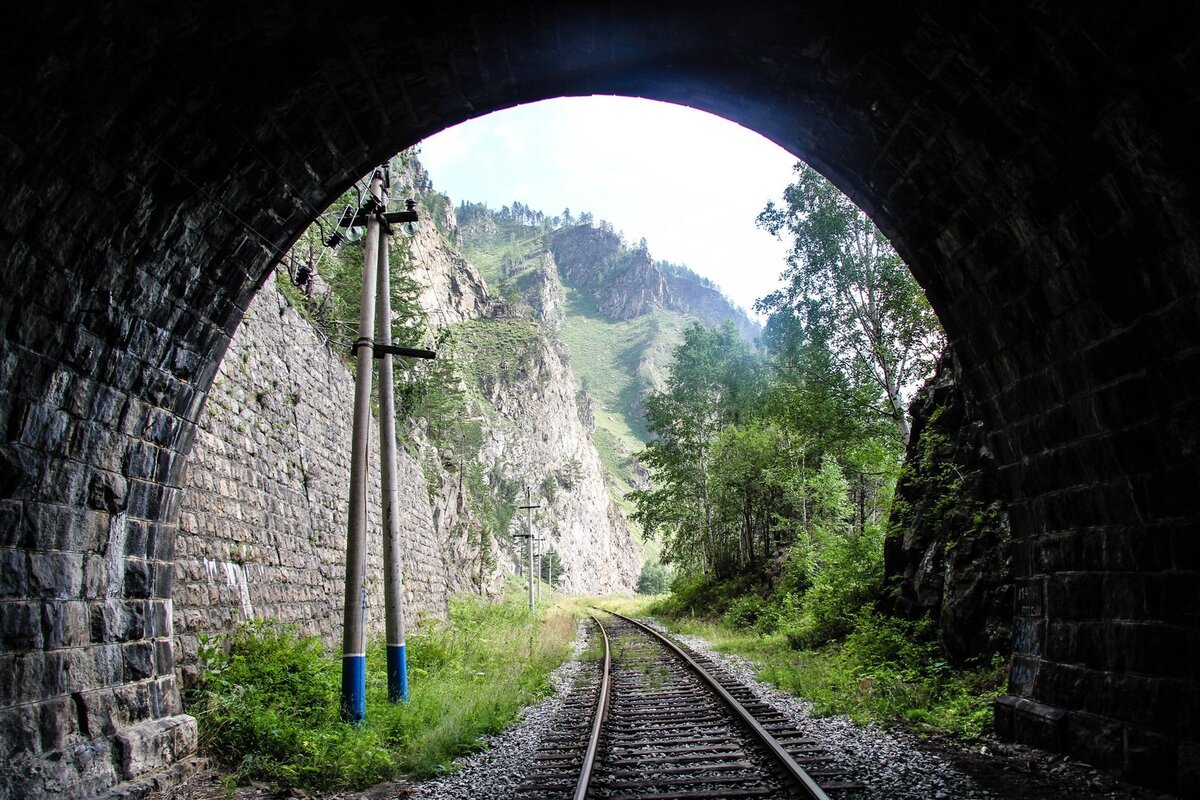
589,757
794,770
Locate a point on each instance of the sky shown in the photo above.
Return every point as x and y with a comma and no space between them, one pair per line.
689,182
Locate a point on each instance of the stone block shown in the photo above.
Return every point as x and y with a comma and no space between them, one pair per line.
95,577
55,574
144,500
22,678
14,528
106,492
20,626
96,709
57,721
1189,768
1029,722
1095,739
18,731
164,578
13,573
119,620
1150,758
137,539
131,703
1125,595
137,578
1075,595
164,657
154,744
138,658
65,624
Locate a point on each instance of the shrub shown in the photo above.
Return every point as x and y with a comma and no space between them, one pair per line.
654,578
744,612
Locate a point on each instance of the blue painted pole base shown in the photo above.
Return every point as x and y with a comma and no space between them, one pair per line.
354,688
397,672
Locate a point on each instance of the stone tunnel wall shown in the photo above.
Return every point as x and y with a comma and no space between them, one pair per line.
1035,163
262,526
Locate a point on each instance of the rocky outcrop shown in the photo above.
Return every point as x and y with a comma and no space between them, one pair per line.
452,290
627,283
538,436
947,554
534,434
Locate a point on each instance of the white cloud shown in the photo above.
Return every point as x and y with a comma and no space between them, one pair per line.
690,183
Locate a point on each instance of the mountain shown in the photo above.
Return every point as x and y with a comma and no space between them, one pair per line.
620,315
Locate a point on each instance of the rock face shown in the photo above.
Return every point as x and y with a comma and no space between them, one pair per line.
628,283
538,436
947,555
522,389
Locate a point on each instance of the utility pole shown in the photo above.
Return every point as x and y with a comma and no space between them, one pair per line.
529,507
375,271
354,657
393,577
540,558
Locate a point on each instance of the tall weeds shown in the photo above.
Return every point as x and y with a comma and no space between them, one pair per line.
268,705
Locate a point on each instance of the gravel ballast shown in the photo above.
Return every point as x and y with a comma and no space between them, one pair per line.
895,765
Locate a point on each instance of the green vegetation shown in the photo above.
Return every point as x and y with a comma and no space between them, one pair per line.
886,671
654,578
495,349
618,362
848,290
773,475
268,706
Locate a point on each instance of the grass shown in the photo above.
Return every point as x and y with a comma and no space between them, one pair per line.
496,348
882,673
618,361
268,708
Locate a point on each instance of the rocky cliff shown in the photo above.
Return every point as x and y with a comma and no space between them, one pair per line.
627,282
947,555
617,313
523,394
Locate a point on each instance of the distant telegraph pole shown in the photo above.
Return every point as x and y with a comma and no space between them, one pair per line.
540,558
529,507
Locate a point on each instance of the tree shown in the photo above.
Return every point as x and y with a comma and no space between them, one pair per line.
847,289
711,383
654,578
551,566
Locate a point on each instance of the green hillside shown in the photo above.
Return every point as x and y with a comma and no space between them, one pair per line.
617,361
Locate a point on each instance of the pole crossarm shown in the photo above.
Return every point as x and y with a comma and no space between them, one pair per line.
382,350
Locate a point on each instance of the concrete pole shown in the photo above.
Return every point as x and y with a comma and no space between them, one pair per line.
354,657
393,579
529,532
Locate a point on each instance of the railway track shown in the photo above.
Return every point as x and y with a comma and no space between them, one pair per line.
650,720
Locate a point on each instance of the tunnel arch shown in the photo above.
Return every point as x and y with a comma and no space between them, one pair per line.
1034,165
